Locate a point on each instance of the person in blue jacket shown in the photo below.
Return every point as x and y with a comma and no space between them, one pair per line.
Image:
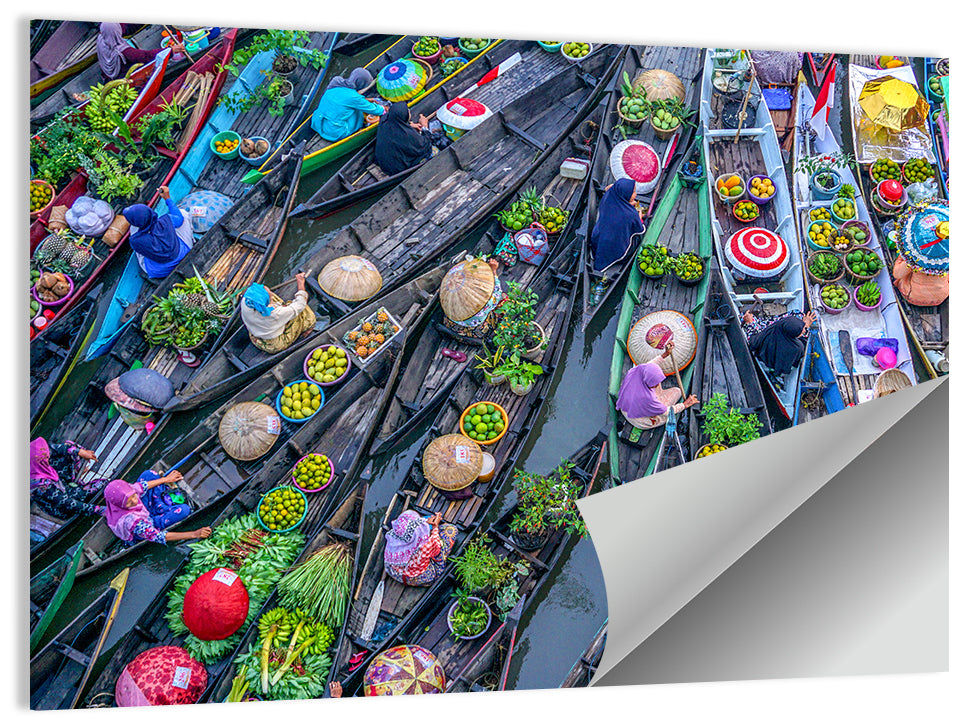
341,110
159,241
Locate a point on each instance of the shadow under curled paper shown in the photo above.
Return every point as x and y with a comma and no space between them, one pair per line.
820,550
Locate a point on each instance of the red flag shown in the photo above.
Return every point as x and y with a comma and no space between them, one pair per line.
821,110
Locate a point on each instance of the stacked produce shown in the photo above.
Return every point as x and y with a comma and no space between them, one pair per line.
868,294
371,334
834,296
633,105
254,148
300,400
865,263
192,311
576,50
529,208
820,214
762,187
730,186
844,208
282,508
884,169
313,472
917,170
856,233
226,146
321,584
746,210
451,65
52,287
484,422
425,47
687,266
653,260
40,195
889,61
709,449
474,44
258,557
327,365
934,83
115,97
824,266
516,217
823,234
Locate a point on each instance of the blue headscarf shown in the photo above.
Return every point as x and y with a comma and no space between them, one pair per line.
256,298
155,240
618,220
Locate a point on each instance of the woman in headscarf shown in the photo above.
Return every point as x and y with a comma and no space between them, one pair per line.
159,241
779,342
482,323
140,511
416,548
643,401
54,487
399,143
115,55
341,110
272,324
618,221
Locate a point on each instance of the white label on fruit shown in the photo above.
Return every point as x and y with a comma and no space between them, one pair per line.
225,576
462,455
274,426
182,677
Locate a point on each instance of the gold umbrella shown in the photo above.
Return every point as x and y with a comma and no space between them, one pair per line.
893,103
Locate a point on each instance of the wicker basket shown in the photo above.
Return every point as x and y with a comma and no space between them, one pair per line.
847,228
825,281
856,279
629,121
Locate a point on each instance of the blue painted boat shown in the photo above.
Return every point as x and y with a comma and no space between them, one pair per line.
817,381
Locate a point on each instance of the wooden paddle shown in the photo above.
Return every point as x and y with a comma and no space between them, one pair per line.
847,351
290,280
174,39
746,100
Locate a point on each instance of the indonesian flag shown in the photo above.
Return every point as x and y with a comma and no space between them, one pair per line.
821,110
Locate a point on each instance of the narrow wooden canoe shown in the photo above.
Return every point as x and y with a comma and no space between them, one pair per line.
819,65
488,669
217,54
584,669
686,64
49,588
887,320
938,124
819,392
54,355
59,672
354,43
752,149
681,224
361,178
556,289
40,32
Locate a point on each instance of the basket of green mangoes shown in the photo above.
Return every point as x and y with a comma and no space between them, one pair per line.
862,265
327,365
299,401
835,298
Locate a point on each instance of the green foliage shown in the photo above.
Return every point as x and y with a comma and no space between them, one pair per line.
469,617
547,502
517,313
111,178
726,425
57,149
518,371
271,90
847,191
284,42
477,567
817,164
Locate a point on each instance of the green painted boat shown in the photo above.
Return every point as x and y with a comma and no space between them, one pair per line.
633,453
49,588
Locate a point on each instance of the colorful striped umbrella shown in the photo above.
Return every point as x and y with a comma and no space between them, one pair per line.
404,671
757,252
924,237
401,80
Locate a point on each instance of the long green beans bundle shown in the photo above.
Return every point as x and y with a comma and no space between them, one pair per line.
321,585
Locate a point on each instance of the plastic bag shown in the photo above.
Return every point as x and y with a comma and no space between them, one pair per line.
532,244
918,192
89,217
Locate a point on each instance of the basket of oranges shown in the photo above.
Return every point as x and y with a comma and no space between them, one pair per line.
225,144
730,188
746,211
282,509
761,189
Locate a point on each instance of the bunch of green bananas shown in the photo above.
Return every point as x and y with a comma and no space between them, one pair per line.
116,96
824,265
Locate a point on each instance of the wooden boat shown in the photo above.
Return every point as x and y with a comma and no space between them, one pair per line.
819,392
749,146
428,375
54,355
686,64
209,63
468,663
59,672
681,224
351,416
784,119
40,32
343,526
938,123
886,321
234,253
49,588
361,177
556,289
354,43
584,669
69,49
819,65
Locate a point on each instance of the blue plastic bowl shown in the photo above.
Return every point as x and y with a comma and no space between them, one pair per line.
277,400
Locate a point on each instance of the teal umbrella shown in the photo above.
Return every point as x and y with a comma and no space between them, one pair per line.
923,237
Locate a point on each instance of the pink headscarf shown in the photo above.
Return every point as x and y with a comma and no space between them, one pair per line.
110,45
40,469
120,518
637,399
409,532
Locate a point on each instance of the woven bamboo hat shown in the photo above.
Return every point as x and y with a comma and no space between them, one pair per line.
660,85
452,462
466,288
649,336
350,278
248,430
890,381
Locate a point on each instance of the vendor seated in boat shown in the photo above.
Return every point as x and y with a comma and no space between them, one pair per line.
778,342
618,222
115,55
417,548
342,108
401,144
55,487
159,242
272,324
643,401
141,511
469,308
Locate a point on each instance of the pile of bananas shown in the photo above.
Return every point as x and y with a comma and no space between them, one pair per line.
824,266
116,96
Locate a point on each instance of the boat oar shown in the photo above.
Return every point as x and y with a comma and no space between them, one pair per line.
174,39
375,605
290,280
847,351
746,100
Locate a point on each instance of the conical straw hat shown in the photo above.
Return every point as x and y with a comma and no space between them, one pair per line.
452,462
648,337
890,381
350,278
660,85
466,288
248,430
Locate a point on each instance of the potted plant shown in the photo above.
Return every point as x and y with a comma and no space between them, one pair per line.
488,363
289,46
275,91
468,617
726,426
110,177
479,570
520,373
668,116
822,171
517,330
545,503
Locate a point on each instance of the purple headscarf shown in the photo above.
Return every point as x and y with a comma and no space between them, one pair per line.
41,472
637,399
120,518
110,45
409,531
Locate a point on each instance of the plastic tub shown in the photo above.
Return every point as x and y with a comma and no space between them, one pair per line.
752,203
756,198
550,47
226,135
729,200
301,520
835,311
53,193
277,401
56,303
488,619
861,306
331,478
324,347
258,161
431,59
579,59
838,220
505,421
473,53
848,229
814,246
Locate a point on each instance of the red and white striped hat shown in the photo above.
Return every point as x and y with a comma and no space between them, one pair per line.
757,252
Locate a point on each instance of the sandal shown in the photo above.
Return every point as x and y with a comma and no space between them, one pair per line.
456,355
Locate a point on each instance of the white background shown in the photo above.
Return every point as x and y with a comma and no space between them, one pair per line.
884,26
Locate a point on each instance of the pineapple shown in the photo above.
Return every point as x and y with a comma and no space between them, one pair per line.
530,196
381,316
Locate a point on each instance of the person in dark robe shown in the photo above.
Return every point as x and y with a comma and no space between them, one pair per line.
159,241
779,342
399,143
618,221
